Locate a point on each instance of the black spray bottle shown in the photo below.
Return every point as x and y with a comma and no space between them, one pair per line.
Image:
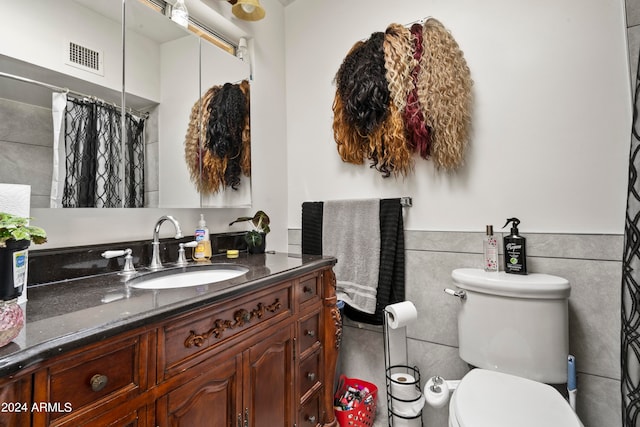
515,250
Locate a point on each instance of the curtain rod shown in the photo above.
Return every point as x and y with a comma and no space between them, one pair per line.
67,90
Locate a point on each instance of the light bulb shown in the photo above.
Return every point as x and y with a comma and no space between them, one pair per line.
248,8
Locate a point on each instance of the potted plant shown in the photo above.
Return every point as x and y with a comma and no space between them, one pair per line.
257,237
15,237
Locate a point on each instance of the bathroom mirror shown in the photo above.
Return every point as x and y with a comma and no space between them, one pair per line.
162,78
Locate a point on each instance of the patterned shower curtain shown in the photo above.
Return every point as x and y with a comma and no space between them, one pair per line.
93,151
630,310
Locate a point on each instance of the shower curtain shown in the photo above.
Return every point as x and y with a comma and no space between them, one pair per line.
630,310
88,167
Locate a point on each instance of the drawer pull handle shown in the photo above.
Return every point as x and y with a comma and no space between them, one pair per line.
309,333
307,290
98,382
311,419
311,376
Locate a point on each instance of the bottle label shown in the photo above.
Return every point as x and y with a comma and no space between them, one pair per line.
200,235
513,257
20,268
491,254
199,250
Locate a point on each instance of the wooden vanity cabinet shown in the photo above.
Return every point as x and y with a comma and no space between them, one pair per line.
260,359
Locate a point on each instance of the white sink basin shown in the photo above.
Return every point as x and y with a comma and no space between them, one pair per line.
184,279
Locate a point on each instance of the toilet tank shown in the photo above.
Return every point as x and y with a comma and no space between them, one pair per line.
516,324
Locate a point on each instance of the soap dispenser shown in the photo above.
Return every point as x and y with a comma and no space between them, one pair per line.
515,249
202,252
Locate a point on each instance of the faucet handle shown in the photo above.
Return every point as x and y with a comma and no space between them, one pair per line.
128,259
182,259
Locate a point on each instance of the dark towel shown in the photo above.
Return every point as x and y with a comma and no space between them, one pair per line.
391,284
312,228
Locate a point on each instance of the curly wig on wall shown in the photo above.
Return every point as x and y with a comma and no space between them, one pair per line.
444,89
399,62
388,147
403,91
362,84
414,113
366,122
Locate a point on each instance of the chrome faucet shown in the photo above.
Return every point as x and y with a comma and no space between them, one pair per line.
155,257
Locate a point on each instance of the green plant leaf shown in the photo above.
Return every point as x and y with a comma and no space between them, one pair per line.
16,228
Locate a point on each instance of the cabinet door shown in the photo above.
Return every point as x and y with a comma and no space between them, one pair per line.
15,399
212,398
268,384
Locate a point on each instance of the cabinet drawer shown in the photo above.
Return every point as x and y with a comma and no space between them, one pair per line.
308,332
309,414
310,374
308,290
188,340
108,373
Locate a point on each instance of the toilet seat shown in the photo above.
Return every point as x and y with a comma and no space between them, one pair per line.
492,399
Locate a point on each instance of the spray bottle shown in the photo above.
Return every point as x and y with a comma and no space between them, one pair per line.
515,249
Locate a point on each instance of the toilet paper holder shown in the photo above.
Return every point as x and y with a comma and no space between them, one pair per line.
404,397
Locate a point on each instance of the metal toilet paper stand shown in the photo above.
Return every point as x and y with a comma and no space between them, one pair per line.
402,380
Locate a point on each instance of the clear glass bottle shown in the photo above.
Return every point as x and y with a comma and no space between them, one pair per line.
490,244
180,14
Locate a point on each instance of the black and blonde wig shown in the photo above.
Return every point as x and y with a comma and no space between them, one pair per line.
227,113
218,139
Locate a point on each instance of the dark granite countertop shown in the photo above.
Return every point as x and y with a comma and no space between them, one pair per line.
67,314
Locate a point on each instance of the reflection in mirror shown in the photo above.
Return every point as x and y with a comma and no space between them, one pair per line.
40,45
187,65
155,83
226,130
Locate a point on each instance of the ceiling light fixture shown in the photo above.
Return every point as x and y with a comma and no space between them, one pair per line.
247,10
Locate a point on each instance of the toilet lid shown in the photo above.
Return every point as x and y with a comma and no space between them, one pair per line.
493,399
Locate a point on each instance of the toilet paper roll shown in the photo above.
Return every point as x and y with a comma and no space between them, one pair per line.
436,399
401,314
403,386
406,398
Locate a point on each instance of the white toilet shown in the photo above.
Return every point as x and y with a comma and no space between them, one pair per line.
514,329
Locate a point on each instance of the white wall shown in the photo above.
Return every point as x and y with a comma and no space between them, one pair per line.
551,126
37,31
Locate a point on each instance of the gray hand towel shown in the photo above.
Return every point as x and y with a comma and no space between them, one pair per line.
351,233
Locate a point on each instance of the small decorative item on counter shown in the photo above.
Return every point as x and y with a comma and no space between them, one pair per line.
256,238
355,402
11,321
15,237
